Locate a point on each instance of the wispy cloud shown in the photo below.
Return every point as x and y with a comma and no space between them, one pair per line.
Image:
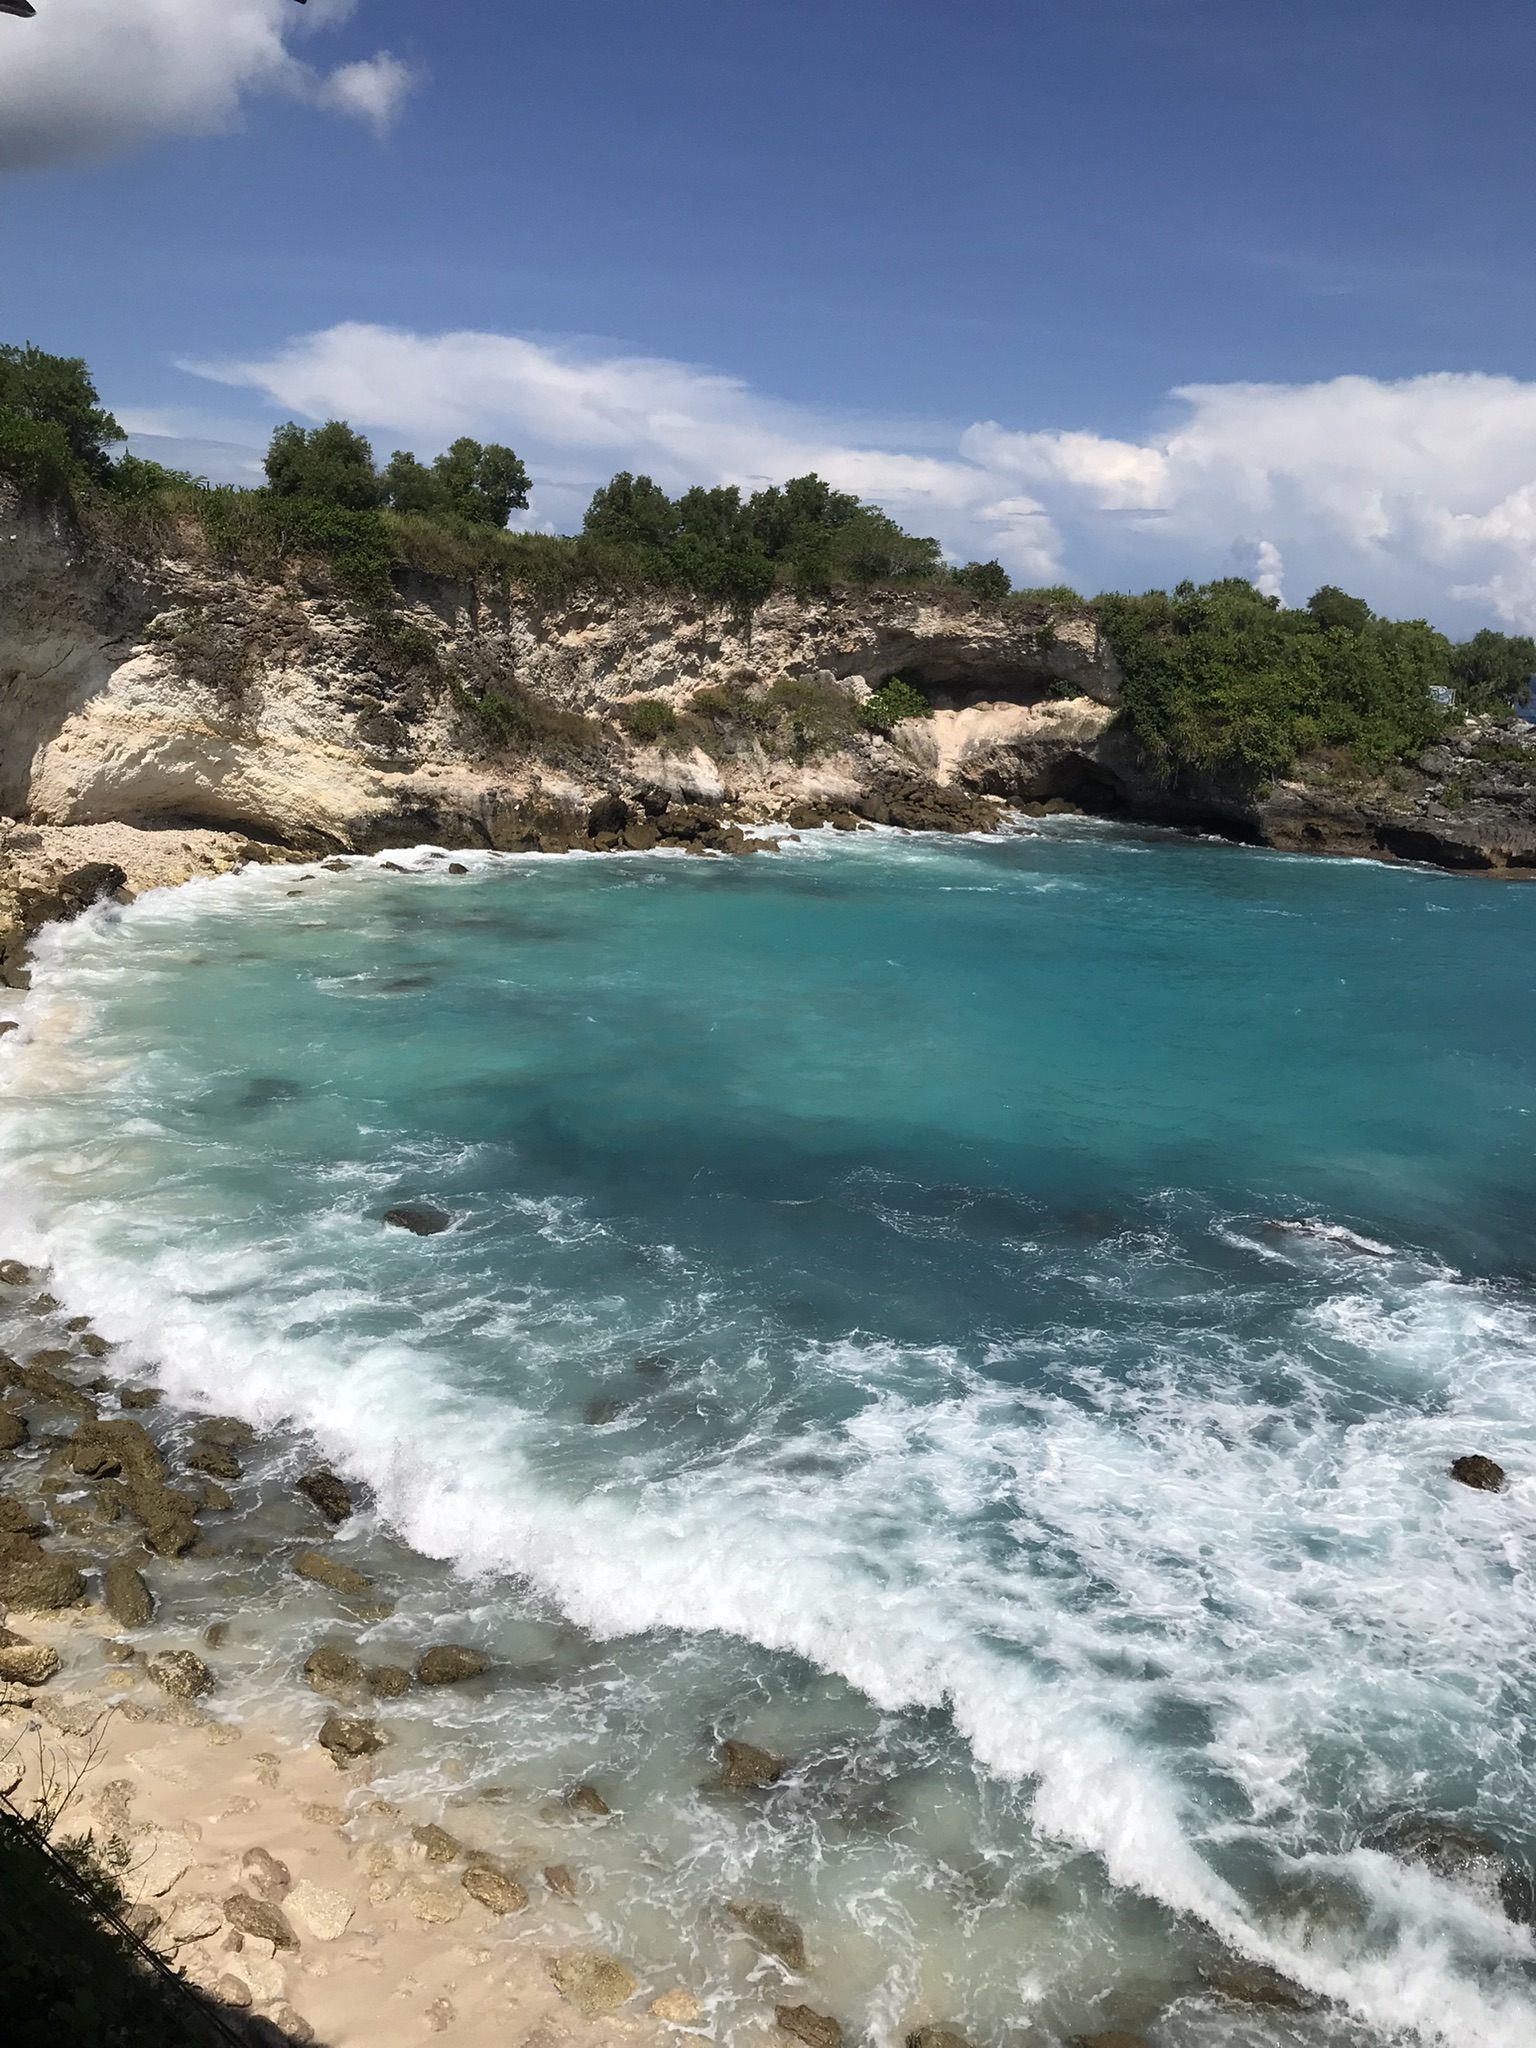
88,78
1421,492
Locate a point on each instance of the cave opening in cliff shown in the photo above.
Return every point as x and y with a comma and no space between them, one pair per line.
950,685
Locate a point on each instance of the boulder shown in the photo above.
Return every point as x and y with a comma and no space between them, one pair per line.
103,1450
450,1664
94,1346
27,1663
217,1460
588,1801
349,1738
233,1991
815,2029
168,1518
138,1397
1246,1983
228,1430
744,1767
592,1982
328,1493
265,1875
260,1919
33,1580
327,1571
497,1892
1462,1857
388,1681
422,1219
772,1929
1478,1472
181,1673
13,1430
677,2007
325,1914
17,1519
14,1274
441,1847
125,1595
333,1671
608,814
213,1500
937,2037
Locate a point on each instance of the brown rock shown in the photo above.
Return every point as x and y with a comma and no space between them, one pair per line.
33,1580
94,1346
422,1219
168,1518
497,1892
102,1450
744,1767
815,2029
587,1800
560,1879
450,1664
1113,2039
327,1571
333,1671
18,1519
213,1500
125,1595
772,1929
937,2037
13,1430
388,1681
328,1493
349,1738
441,1847
217,1460
227,1430
182,1673
679,2008
1479,1472
138,1397
260,1919
265,1875
14,1274
27,1663
591,1981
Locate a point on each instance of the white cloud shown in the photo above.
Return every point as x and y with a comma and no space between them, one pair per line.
87,78
1419,493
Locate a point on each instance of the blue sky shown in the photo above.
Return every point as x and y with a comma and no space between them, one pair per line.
852,231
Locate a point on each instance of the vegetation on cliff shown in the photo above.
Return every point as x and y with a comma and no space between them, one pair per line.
1219,680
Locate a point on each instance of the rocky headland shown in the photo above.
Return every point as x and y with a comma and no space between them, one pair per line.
162,716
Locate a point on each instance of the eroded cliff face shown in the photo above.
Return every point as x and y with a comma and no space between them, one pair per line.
186,696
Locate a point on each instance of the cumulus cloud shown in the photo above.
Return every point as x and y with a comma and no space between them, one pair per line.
1419,493
87,78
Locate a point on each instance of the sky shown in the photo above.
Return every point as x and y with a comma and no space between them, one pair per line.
1118,291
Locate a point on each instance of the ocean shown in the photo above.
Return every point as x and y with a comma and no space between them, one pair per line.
987,1320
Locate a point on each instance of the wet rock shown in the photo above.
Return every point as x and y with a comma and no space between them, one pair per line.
228,1430
1462,1857
260,1919
602,1409
94,1346
265,1875
592,1982
17,1518
1246,1983
44,1305
497,1892
937,2037
13,1430
677,2007
35,1582
193,1920
560,1880
423,1219
441,1847
213,1500
1479,1472
588,1801
181,1673
27,1663
333,1671
325,1914
457,867
744,1767
435,1905
328,1571
328,1493
388,1681
772,1929
14,1274
103,1450
815,2029
349,1738
167,1517
125,1595
1115,2038
41,1377
216,1634
138,1397
450,1664
217,1460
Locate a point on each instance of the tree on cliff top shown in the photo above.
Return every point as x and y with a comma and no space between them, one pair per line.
54,431
329,465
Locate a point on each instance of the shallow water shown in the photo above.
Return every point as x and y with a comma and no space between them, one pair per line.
867,1328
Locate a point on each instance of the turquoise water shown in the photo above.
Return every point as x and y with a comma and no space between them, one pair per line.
988,1318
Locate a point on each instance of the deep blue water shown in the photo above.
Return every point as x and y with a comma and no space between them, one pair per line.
992,1317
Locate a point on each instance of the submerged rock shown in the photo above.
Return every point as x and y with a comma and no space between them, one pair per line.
495,1890
388,1681
560,1879
1115,2038
217,1460
772,1929
13,1430
328,1493
181,1673
125,1595
333,1671
266,1875
328,1571
745,1768
587,1800
350,1738
441,1847
1246,1983
937,2037
18,1519
33,1580
591,1981
1479,1472
423,1219
14,1274
1462,1857
451,1664
815,2029
102,1450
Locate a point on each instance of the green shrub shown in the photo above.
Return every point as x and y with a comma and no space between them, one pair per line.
895,700
987,581
35,456
650,718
